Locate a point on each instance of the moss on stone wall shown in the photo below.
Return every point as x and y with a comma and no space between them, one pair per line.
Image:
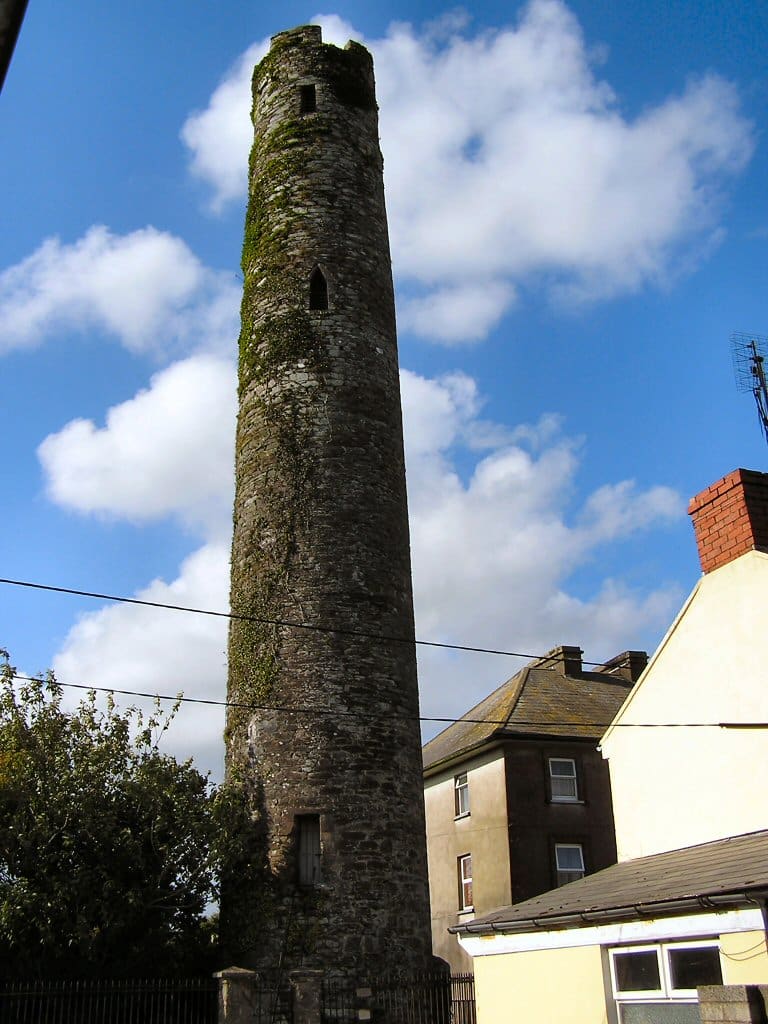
281,364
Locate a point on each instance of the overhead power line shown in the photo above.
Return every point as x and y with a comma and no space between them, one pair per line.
310,710
338,630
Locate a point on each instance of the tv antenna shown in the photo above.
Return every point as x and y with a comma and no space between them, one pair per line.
749,353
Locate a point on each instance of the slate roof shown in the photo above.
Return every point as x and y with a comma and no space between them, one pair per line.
719,873
540,700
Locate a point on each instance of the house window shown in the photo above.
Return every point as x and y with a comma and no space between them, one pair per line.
461,795
307,99
691,966
562,780
465,882
569,862
318,290
308,841
657,984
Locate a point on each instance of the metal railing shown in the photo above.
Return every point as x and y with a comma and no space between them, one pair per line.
425,998
431,997
115,1001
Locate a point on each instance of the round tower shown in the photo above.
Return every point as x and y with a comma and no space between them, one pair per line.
326,744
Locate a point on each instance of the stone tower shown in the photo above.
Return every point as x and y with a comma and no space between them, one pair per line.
339,878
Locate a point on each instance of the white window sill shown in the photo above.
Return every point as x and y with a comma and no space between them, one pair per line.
458,817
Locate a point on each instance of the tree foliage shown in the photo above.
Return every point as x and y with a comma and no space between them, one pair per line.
107,859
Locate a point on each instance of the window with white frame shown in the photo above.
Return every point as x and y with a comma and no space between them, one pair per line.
562,780
569,862
465,882
461,795
656,984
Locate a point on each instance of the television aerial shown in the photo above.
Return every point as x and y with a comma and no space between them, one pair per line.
748,352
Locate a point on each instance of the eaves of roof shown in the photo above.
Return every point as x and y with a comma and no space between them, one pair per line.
633,912
727,872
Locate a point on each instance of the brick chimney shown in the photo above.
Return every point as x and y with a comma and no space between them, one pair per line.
731,517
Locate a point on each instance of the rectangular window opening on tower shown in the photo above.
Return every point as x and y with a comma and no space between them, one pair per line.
318,290
307,99
308,843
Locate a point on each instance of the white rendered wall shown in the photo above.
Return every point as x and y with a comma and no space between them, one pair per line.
678,785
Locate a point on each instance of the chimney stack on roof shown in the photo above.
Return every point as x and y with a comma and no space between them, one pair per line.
568,657
731,518
627,665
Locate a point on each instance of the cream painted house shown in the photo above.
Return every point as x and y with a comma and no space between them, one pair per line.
699,773
686,904
628,945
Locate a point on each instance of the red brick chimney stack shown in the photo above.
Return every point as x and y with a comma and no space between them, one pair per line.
731,517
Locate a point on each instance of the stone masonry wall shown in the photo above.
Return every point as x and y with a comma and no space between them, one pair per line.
733,1004
321,537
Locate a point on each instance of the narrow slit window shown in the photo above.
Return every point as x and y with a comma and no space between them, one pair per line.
308,841
318,290
307,99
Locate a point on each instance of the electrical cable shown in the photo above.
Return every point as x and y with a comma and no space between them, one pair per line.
743,954
307,710
339,630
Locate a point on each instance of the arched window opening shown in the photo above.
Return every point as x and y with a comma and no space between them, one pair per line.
318,290
307,99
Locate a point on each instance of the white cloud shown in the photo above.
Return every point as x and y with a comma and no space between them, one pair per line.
494,548
146,288
154,651
509,161
169,450
614,510
466,312
493,554
220,136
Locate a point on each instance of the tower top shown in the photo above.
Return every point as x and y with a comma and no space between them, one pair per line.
299,36
309,36
300,54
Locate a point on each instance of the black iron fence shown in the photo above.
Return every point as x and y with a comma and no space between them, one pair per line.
428,998
463,999
120,1001
425,998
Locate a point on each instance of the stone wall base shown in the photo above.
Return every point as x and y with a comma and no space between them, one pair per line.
733,1004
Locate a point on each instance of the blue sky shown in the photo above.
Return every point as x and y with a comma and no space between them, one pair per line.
578,221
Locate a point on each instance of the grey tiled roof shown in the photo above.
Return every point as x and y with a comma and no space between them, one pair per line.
712,874
537,701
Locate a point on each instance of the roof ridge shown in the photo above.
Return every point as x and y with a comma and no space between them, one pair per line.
522,676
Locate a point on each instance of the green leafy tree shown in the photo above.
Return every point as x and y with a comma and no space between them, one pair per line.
107,846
